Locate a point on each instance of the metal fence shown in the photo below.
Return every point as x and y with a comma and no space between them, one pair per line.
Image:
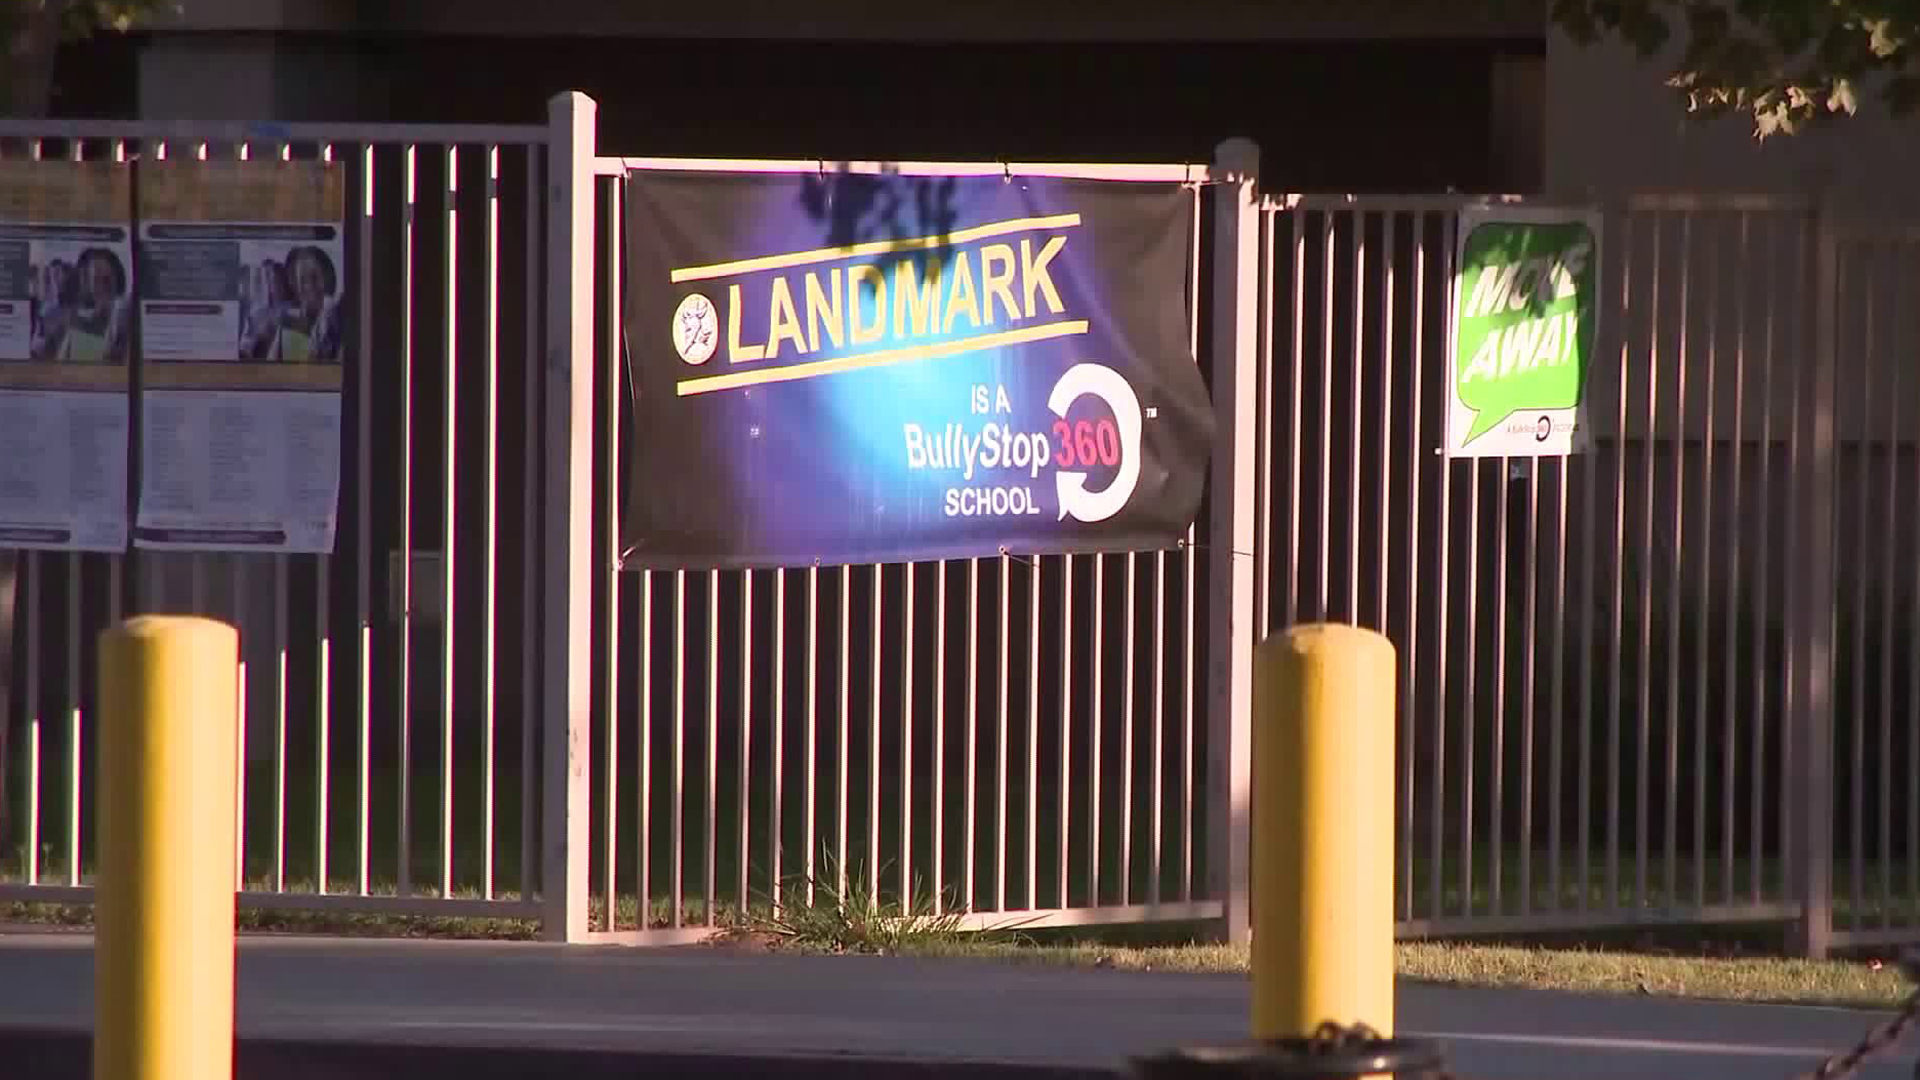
388,688
1013,741
1674,677
1875,278
1641,684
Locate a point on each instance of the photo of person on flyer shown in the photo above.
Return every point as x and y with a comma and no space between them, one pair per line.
294,310
94,312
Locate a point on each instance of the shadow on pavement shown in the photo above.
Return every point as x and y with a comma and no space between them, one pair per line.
44,1054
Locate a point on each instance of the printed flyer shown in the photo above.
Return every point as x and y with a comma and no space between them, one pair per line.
66,294
1525,312
242,330
882,368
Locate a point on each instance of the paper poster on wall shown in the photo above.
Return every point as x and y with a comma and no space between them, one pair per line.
66,275
1525,311
243,278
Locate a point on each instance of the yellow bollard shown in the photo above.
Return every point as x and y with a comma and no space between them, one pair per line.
1323,805
164,908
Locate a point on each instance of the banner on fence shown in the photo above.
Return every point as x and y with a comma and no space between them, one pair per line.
241,290
858,368
1525,312
66,273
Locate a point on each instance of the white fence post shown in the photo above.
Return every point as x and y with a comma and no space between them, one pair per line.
568,576
1809,742
1231,634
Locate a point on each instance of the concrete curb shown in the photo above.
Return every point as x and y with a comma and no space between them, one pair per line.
54,1054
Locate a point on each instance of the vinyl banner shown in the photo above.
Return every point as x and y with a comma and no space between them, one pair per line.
859,368
1526,309
66,279
241,329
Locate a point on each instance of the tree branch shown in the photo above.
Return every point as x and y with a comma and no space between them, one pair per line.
1784,63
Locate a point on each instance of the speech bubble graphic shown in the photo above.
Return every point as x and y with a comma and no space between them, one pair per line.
1524,328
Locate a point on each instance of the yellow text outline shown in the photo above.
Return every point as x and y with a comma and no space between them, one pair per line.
875,247
883,358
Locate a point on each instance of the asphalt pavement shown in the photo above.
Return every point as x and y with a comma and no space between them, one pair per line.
322,1008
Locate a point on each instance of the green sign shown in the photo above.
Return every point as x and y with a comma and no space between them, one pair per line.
1526,298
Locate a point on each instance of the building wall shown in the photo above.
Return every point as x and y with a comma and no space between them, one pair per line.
1342,116
1330,115
1155,21
227,16
255,77
1612,124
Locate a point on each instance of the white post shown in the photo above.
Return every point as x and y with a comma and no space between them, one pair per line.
567,665
1232,633
1809,739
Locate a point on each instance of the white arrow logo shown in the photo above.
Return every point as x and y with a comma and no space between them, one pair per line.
1109,386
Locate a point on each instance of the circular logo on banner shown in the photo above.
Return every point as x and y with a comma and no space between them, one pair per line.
696,329
1071,484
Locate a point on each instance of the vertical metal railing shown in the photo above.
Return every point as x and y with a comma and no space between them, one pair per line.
1010,738
1593,642
1876,690
335,766
1623,633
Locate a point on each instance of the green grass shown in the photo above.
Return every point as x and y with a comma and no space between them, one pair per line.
1752,978
1685,884
825,918
79,917
1748,979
